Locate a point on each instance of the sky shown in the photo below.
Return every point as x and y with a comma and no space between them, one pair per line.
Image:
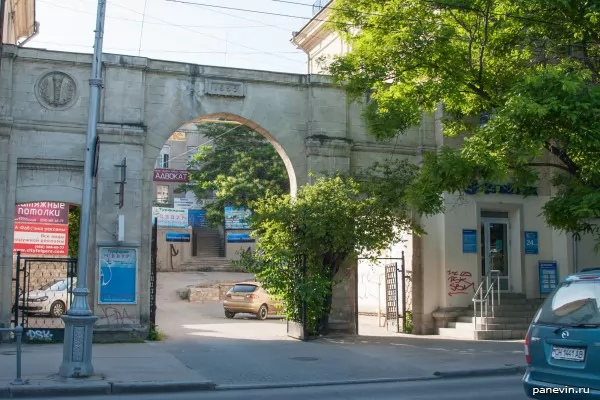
168,30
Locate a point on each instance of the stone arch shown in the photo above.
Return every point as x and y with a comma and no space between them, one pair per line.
151,158
55,186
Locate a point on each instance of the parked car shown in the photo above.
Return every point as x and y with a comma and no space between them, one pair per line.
562,346
51,299
249,298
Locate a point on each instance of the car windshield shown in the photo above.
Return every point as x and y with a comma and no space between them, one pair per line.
243,289
573,303
55,286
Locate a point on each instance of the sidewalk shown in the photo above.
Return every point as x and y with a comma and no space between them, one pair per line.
209,363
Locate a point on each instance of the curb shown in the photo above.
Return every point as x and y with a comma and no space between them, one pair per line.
513,370
141,387
104,388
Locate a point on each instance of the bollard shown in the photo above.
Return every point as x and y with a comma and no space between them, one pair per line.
19,336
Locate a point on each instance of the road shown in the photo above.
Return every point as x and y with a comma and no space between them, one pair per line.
497,388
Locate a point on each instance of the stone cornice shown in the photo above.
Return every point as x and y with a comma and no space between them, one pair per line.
47,164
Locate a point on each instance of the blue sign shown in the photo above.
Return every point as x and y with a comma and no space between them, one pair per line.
239,238
197,218
469,241
531,242
178,237
548,271
118,276
493,188
237,218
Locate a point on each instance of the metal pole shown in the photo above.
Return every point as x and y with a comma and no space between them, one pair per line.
79,322
19,336
17,289
403,276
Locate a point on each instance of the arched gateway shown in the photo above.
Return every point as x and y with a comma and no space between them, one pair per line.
44,98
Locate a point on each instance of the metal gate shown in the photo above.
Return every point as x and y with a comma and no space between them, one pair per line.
153,272
398,295
43,292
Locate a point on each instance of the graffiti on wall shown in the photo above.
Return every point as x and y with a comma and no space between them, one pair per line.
114,316
39,334
459,282
368,284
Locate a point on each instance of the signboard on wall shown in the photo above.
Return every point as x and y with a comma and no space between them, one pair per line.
180,237
170,217
184,203
236,218
41,239
239,238
118,276
42,213
548,272
197,218
170,175
177,136
531,243
469,240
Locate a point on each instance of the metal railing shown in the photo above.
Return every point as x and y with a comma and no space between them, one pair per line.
19,339
489,289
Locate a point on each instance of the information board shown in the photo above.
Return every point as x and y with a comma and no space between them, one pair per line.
469,238
548,272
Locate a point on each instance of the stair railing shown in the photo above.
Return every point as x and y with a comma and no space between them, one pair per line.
488,291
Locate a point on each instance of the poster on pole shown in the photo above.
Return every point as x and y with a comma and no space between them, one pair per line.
117,276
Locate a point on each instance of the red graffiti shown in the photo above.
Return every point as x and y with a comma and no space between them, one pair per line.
459,282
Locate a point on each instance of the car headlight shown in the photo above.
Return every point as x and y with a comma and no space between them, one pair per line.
38,299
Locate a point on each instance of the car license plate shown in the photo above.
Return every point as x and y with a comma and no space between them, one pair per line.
568,353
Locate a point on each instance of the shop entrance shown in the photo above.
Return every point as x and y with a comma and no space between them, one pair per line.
495,246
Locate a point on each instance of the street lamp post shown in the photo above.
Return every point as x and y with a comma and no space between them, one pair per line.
79,321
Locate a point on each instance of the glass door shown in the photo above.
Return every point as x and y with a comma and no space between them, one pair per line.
495,249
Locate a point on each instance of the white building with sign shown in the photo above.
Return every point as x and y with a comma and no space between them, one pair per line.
492,229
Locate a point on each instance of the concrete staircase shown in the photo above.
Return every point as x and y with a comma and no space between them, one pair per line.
207,242
510,322
209,264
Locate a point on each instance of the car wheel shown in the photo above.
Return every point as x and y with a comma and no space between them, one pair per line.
229,314
57,309
262,313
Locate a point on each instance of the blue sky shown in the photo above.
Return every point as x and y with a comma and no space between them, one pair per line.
180,32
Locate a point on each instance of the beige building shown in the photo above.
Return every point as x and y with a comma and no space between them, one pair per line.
490,229
18,21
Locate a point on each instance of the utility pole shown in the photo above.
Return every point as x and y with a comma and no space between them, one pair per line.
79,321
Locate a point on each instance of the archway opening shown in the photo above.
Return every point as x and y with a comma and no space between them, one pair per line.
206,179
45,247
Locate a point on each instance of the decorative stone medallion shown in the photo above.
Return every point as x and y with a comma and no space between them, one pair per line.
56,90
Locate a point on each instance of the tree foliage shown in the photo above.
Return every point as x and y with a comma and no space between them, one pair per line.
328,223
239,165
74,217
532,65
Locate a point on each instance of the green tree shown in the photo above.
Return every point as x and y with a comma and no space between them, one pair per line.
239,165
74,215
531,65
327,224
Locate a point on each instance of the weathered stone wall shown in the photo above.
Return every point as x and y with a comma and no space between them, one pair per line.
44,99
344,306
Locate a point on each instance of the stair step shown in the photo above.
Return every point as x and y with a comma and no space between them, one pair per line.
497,320
509,307
471,326
499,334
504,313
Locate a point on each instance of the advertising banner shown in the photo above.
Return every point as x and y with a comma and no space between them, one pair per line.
170,175
197,218
42,213
180,237
239,238
41,239
236,218
118,276
170,217
184,203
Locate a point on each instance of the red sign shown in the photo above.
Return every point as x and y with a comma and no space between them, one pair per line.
170,175
41,239
43,212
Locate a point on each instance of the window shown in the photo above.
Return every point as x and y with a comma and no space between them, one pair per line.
191,152
162,194
163,158
243,289
572,303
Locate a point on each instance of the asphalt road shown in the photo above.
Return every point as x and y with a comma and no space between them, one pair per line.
497,388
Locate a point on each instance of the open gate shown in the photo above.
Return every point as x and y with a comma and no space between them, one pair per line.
398,297
43,292
153,272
